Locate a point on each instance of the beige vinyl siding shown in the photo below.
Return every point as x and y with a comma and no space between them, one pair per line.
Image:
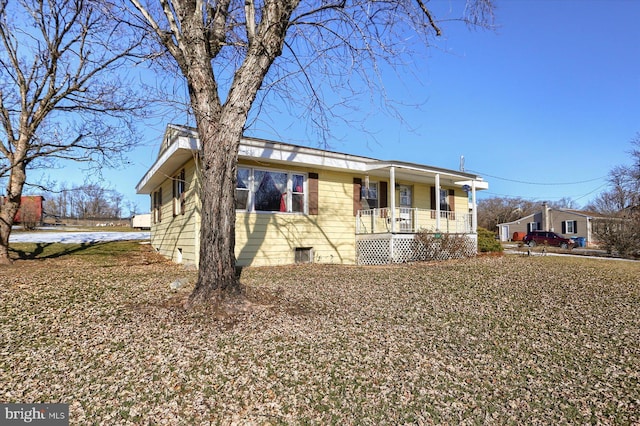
179,232
264,238
421,194
559,216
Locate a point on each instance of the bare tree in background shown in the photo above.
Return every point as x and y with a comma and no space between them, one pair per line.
495,210
228,50
87,201
61,96
621,203
564,203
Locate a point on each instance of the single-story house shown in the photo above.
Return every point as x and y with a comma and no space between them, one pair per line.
300,204
569,223
30,211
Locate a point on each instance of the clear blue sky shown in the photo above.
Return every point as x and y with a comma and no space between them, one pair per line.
548,99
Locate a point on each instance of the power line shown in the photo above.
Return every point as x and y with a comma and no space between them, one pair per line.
574,198
538,183
591,192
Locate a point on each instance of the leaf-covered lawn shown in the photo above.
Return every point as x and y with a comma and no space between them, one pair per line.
501,340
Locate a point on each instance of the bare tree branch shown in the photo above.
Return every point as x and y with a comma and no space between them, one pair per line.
250,13
61,94
429,17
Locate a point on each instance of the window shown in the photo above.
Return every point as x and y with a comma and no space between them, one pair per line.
570,227
369,196
444,200
179,189
242,188
532,226
157,205
447,199
405,196
297,194
270,191
303,254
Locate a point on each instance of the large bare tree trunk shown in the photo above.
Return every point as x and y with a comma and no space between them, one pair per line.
9,208
216,276
220,128
220,139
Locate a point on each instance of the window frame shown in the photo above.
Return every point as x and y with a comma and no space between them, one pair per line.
444,200
408,196
290,190
156,202
247,189
179,193
570,226
365,199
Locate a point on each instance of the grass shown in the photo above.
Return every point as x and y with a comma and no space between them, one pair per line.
500,340
95,252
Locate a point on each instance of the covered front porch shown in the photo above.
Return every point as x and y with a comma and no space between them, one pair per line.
381,239
439,206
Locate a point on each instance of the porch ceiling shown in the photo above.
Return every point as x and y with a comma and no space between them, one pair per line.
421,174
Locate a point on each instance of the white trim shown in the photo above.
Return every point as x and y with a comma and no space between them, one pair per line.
437,200
392,190
474,208
477,183
184,146
291,154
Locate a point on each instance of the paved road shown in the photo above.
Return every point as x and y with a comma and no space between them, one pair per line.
577,252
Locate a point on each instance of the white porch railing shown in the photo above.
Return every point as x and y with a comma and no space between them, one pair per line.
411,221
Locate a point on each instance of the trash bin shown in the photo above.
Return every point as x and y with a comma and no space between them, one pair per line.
580,241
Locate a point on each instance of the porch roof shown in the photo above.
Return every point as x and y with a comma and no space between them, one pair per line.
423,173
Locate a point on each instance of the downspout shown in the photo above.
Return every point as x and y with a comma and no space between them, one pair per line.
437,190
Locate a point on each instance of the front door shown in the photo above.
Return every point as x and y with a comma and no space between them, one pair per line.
406,202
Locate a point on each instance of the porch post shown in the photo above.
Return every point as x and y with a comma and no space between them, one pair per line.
438,202
392,204
474,208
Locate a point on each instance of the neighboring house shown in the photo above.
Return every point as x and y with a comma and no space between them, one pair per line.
30,211
299,204
569,223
